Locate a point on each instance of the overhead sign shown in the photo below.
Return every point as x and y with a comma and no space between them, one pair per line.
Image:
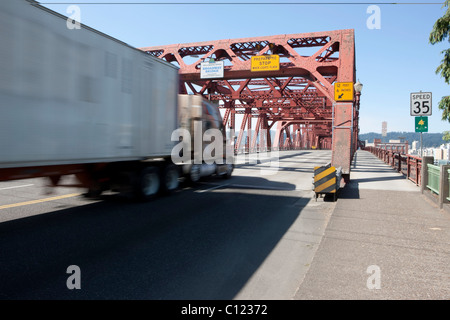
267,62
421,104
343,91
210,70
421,124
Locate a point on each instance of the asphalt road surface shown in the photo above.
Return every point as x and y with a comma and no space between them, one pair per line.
249,237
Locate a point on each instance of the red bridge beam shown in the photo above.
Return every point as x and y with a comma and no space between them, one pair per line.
299,96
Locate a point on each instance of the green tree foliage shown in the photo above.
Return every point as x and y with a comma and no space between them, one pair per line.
446,136
440,33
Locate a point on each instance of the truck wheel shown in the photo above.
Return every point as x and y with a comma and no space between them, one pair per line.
195,173
93,193
229,171
169,179
148,183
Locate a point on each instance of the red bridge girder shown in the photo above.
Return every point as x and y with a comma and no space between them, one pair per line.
299,97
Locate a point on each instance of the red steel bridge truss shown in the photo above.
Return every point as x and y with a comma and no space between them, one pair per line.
296,101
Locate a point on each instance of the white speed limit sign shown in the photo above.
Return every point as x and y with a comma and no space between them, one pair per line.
421,104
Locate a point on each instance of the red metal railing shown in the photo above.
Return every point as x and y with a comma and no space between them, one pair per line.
410,166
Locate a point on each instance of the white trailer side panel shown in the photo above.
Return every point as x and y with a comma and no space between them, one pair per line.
78,96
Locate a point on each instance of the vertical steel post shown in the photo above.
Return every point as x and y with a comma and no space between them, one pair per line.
421,146
342,149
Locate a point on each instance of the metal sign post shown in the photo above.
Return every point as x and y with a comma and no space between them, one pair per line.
421,145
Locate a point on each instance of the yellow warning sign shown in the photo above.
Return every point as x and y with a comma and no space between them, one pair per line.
343,91
325,179
267,62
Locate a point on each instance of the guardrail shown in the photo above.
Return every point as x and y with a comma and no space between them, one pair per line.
448,178
410,166
433,177
422,171
438,181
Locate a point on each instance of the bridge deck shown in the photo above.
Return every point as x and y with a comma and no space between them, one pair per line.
381,219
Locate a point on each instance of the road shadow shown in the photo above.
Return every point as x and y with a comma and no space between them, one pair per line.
190,245
379,179
246,182
350,191
265,158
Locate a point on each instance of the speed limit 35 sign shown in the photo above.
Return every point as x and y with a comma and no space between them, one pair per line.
421,104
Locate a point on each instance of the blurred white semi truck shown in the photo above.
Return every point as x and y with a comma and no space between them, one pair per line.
75,101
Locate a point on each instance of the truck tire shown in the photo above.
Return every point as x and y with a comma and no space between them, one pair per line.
229,171
93,193
170,179
148,183
195,173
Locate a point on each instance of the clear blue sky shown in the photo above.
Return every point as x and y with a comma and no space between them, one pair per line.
392,61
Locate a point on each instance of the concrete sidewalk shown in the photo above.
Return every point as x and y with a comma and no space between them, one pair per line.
384,240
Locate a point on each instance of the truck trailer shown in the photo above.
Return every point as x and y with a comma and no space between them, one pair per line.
75,101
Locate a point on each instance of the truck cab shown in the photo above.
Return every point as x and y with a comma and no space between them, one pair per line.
204,139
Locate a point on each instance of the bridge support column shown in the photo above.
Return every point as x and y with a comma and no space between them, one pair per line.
278,136
342,131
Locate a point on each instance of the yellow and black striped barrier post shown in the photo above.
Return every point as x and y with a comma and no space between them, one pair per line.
326,181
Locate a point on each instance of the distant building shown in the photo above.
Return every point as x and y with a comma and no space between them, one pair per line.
384,128
369,144
439,154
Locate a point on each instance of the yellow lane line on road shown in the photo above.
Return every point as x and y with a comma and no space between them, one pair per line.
19,204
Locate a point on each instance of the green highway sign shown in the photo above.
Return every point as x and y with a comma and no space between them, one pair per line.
421,124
